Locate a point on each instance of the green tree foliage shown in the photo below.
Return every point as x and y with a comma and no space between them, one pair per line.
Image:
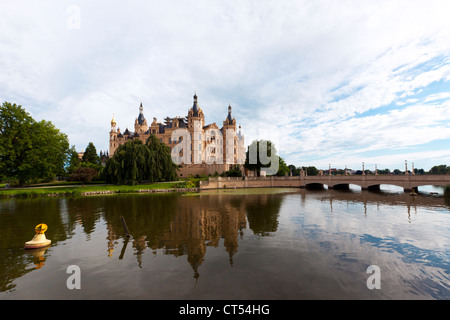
30,150
311,170
440,169
384,171
159,163
295,171
90,155
235,171
283,169
74,160
266,147
134,162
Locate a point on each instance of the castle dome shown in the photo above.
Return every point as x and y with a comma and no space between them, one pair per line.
195,106
141,117
229,119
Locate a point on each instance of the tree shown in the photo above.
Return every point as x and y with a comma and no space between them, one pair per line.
160,166
128,165
234,171
383,171
311,170
90,155
283,169
134,162
440,169
264,147
74,160
30,149
83,174
294,170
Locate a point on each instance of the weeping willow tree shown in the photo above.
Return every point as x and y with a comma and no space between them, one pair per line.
135,162
160,166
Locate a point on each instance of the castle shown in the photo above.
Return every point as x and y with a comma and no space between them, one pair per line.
199,149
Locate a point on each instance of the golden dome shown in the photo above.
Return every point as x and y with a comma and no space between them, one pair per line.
113,121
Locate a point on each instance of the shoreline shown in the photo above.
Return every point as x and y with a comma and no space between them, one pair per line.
90,193
90,190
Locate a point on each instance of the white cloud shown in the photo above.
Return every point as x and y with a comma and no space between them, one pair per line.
307,67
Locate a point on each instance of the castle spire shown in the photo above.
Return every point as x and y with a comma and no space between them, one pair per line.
229,117
141,117
195,106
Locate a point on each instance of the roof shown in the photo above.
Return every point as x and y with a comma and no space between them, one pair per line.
195,106
141,118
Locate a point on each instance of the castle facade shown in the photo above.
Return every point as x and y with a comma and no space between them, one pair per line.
197,147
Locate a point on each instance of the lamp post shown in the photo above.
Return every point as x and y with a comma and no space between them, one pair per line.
363,173
406,167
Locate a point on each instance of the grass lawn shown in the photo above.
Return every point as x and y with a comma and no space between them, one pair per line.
79,189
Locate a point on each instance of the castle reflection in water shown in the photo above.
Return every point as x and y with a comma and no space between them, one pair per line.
187,225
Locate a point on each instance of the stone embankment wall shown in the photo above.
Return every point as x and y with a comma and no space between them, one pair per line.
89,193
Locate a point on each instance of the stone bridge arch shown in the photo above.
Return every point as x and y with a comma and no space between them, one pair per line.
366,182
373,182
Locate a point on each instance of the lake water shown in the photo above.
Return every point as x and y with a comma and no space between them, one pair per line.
229,244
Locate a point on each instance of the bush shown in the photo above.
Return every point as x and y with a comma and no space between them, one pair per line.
83,174
234,171
185,184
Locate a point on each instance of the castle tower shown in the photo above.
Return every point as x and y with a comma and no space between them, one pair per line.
229,139
113,137
140,124
195,114
196,122
241,147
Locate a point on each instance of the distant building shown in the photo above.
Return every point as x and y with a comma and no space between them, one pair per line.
207,149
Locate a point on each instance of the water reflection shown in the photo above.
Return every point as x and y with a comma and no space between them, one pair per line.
38,256
188,225
282,229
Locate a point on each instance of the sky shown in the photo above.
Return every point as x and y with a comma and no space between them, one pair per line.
330,82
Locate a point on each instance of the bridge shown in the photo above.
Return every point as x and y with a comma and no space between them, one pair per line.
366,182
